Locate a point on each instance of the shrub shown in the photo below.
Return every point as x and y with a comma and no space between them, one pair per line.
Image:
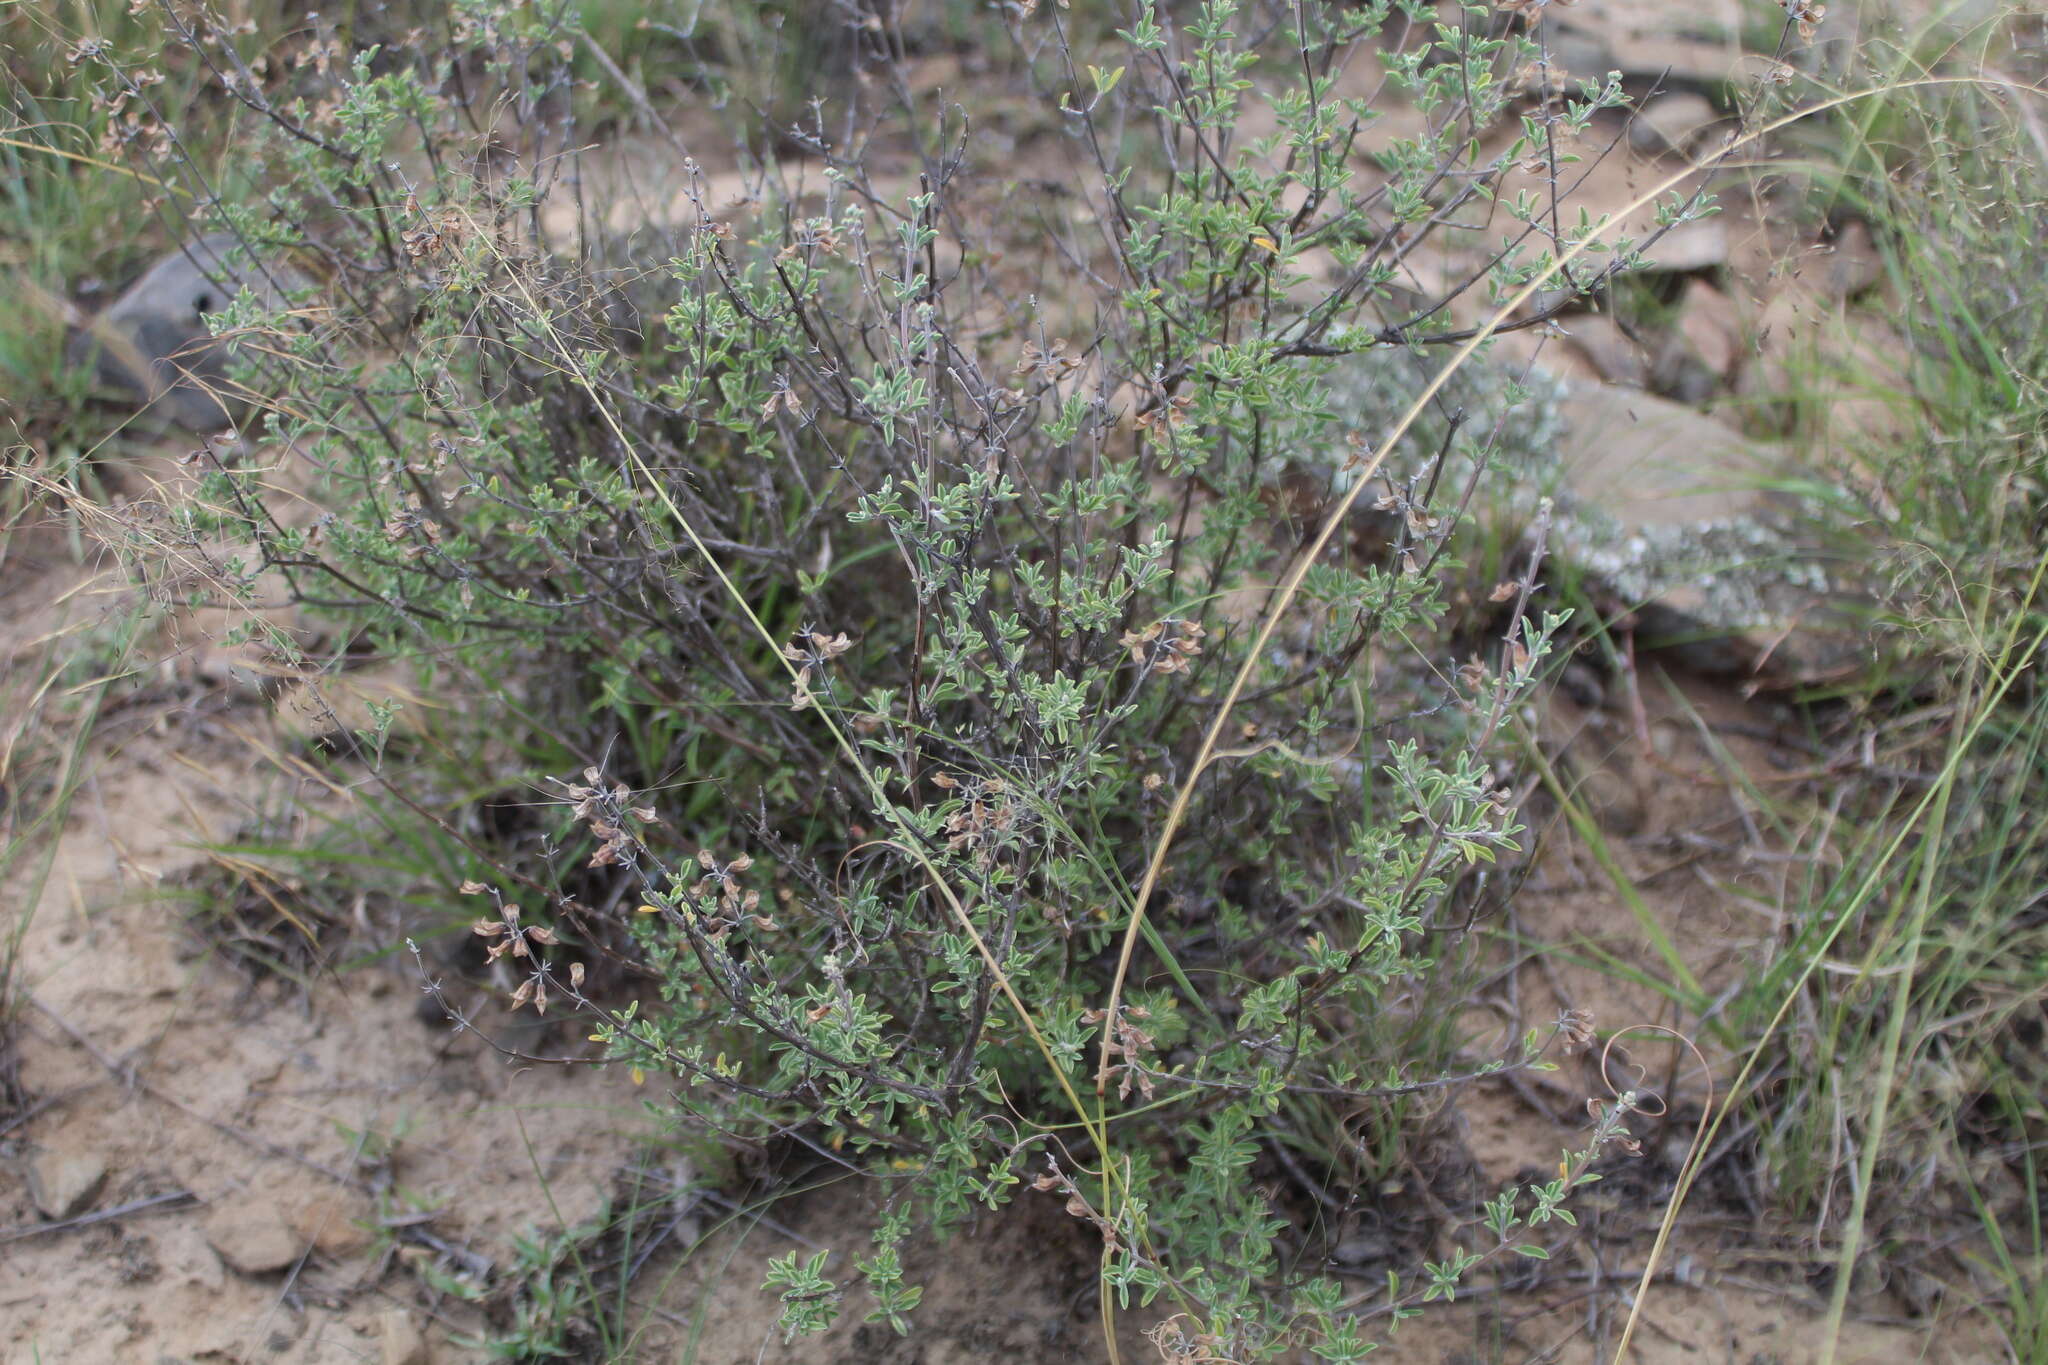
980,758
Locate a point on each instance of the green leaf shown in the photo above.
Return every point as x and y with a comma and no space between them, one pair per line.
1105,81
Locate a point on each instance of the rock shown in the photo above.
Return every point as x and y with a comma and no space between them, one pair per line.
1670,60
1682,377
1854,263
1671,515
253,1237
183,1250
1710,324
1694,46
1672,123
1687,248
1363,1247
1701,352
1580,53
154,343
1557,358
64,1184
1586,53
1645,462
1613,800
1803,340
399,1339
1781,331
1580,682
1617,357
286,1327
335,1223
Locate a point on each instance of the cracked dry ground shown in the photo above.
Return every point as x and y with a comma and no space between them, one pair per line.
285,1146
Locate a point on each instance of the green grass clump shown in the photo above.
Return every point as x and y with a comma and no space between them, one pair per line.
1890,1033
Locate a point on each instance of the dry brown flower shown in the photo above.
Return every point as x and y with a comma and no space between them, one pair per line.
811,650
605,811
984,817
1130,1042
1807,15
723,880
1166,415
1050,361
1576,1027
1155,650
784,398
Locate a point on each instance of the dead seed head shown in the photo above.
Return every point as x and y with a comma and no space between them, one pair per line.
1807,15
721,880
1050,361
1168,646
1576,1027
811,650
605,811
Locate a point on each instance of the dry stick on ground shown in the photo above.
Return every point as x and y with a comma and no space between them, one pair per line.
47,1102
155,1201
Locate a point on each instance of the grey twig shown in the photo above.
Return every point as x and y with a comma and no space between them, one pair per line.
99,1216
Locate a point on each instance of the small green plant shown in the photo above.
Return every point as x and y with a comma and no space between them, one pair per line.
810,1302
551,1297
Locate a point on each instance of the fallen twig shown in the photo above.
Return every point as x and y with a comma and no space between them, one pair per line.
99,1216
